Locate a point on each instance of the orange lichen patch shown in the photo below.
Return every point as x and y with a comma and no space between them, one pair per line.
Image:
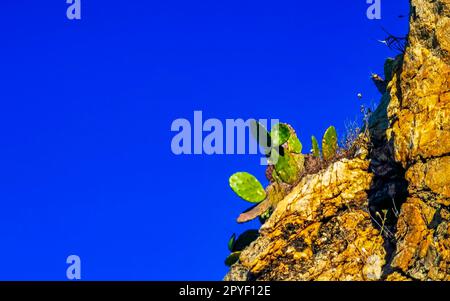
443,245
309,234
443,33
432,175
304,255
412,232
420,131
423,252
420,106
256,264
425,245
397,277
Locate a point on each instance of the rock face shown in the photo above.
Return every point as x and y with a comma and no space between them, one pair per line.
384,214
419,116
320,225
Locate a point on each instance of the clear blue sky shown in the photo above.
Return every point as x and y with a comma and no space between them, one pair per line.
86,108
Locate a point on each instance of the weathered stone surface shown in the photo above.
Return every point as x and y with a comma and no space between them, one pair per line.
433,175
420,99
321,195
237,273
419,112
423,251
320,231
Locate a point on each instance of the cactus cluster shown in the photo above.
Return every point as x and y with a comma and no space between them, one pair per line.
286,156
286,164
329,145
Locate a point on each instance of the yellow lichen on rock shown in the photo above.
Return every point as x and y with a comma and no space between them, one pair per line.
423,251
420,131
397,277
420,106
432,175
412,228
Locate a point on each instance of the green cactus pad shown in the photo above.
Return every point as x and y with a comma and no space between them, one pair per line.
315,147
280,134
261,135
231,242
287,168
232,258
294,144
329,143
247,187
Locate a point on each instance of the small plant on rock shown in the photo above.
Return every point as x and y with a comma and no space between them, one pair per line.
286,164
247,187
315,147
329,144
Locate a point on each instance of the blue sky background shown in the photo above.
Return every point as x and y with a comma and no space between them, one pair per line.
86,108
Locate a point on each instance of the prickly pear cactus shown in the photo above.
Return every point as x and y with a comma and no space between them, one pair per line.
293,144
289,167
280,134
329,143
247,187
315,147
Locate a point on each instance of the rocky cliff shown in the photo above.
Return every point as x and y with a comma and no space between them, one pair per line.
384,213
